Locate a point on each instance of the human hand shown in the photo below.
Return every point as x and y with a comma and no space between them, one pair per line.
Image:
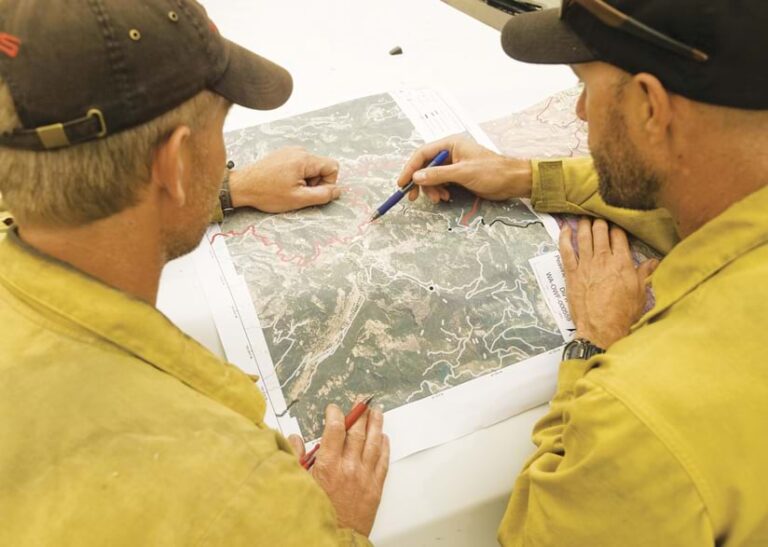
482,172
351,466
287,179
606,293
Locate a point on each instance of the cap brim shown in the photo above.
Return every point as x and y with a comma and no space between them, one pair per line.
542,37
253,81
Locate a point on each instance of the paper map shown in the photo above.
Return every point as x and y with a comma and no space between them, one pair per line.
549,129
420,308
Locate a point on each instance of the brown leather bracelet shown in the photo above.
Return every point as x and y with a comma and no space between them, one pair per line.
225,197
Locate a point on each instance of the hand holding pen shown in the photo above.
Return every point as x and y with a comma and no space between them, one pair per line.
351,466
308,460
400,193
483,172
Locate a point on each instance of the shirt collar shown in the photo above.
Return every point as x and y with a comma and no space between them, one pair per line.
734,233
129,323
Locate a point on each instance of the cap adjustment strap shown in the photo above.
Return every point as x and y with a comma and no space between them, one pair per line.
58,135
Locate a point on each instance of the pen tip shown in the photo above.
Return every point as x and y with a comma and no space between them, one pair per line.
367,402
374,217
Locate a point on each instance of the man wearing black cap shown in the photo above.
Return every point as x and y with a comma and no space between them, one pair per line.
656,434
115,427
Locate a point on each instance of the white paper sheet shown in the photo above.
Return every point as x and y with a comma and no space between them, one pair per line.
549,272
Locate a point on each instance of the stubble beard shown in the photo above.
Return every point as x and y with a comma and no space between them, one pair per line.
182,245
625,180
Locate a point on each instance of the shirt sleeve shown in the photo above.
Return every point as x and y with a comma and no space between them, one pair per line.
570,186
279,504
599,476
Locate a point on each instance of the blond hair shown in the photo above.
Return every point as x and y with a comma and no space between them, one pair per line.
87,182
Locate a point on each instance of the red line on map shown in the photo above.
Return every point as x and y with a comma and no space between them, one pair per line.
472,212
318,248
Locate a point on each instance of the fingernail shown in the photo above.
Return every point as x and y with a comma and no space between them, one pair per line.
335,193
379,408
419,176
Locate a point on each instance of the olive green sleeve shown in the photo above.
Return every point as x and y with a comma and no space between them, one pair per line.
279,504
571,186
599,476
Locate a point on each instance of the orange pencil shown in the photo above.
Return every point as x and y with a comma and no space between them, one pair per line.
349,420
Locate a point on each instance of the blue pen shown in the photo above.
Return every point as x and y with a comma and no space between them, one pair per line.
395,198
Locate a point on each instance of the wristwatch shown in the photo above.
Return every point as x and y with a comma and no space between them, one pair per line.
579,348
225,197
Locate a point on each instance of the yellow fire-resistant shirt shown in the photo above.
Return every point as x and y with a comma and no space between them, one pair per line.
118,429
663,440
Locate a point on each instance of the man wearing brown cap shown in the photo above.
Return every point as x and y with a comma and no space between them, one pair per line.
656,434
115,427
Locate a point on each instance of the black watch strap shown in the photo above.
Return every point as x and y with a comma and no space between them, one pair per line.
579,348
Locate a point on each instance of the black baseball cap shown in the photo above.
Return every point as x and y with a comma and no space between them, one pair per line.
712,51
79,70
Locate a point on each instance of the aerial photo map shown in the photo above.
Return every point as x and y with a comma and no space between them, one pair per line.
426,298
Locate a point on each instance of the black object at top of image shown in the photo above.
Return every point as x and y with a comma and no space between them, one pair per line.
513,6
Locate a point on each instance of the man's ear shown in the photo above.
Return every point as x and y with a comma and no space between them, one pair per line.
655,106
169,163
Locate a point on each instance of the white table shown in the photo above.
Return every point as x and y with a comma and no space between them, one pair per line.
454,494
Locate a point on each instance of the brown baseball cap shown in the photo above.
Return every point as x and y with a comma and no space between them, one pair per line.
711,51
79,70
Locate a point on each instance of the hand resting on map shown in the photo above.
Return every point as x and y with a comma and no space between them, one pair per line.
484,173
351,466
606,292
285,180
